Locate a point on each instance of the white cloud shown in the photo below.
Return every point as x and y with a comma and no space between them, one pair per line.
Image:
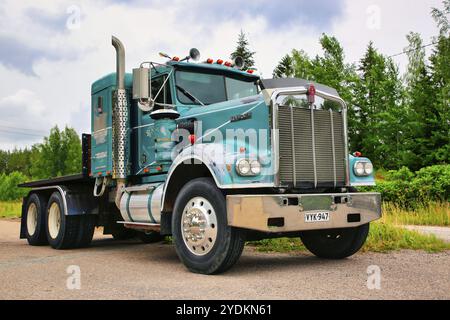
73,59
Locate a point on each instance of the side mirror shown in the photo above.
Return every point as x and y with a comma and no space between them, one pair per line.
142,88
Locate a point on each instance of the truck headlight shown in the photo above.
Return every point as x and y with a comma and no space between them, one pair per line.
245,167
255,167
368,168
363,168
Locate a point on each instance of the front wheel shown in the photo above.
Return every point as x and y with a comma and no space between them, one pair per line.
336,243
203,240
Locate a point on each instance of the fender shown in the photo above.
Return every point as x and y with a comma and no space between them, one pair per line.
214,157
75,202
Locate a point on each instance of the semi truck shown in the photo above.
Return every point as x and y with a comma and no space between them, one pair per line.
213,155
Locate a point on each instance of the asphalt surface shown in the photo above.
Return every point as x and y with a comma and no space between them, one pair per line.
131,270
439,232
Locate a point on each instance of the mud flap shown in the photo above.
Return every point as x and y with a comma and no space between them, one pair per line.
23,219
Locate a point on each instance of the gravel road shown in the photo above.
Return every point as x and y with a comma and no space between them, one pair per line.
131,270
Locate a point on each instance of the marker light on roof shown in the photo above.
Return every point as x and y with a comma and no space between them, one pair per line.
219,61
311,93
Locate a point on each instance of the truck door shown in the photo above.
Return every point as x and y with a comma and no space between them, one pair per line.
145,128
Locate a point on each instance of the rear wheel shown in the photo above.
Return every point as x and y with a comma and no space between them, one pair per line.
35,220
336,243
67,232
203,240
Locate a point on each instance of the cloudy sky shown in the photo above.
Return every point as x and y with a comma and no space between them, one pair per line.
51,51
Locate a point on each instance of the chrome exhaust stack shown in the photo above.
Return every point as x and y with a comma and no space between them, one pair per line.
120,125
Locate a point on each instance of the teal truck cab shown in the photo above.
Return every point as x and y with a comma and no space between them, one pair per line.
213,156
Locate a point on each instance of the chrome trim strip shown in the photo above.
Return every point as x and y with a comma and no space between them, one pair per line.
139,223
143,187
61,191
333,147
294,171
347,165
275,144
313,141
362,184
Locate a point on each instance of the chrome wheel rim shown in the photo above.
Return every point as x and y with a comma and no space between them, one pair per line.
54,220
32,219
199,226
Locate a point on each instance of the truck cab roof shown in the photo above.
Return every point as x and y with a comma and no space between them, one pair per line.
202,67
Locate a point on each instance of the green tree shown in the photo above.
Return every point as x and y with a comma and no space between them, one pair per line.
378,115
3,161
8,186
284,69
59,154
242,50
440,69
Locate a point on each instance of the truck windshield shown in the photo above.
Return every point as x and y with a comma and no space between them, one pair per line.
205,88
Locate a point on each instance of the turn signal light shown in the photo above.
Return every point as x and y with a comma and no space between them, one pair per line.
311,93
192,138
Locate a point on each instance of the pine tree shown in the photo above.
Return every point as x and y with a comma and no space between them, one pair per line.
440,70
284,69
242,50
378,96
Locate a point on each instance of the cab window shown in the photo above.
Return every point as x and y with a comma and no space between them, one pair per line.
164,96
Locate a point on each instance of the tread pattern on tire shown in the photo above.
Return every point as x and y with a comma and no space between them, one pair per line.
41,239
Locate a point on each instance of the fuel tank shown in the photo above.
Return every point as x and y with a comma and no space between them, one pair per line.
142,203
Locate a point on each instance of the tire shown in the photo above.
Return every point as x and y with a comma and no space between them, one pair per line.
150,237
35,220
336,243
216,247
67,232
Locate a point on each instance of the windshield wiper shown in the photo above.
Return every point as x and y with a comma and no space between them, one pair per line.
189,95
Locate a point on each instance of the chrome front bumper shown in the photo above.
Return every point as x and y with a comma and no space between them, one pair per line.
286,213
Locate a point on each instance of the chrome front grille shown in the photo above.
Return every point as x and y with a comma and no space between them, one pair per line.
311,147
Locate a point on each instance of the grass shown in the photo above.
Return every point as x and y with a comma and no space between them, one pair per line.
432,214
385,237
10,209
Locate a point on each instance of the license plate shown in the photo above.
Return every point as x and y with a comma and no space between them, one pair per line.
317,217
